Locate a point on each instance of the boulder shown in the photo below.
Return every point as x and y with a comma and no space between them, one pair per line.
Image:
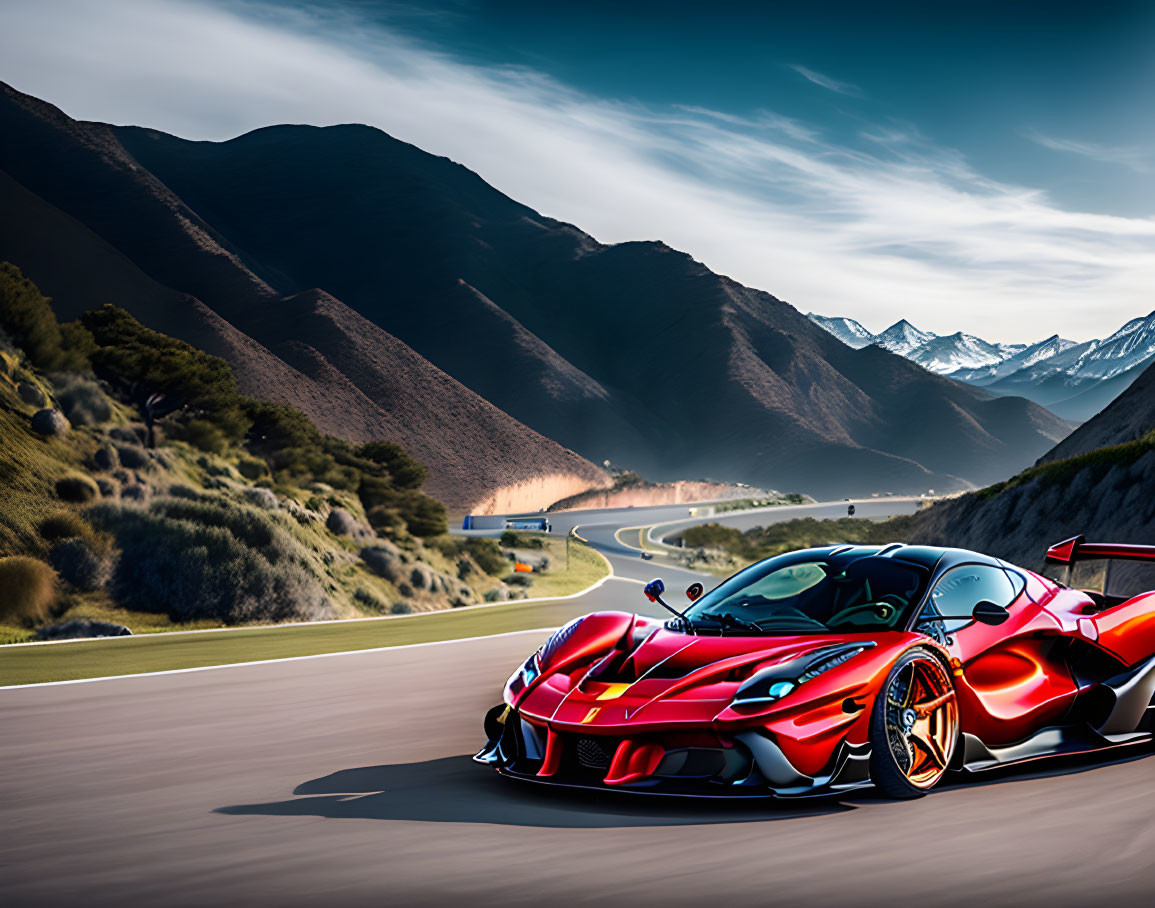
384,560
74,630
341,523
50,423
500,593
31,394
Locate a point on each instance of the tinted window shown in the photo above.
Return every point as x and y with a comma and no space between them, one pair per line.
962,588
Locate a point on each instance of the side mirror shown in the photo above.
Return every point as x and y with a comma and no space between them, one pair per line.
654,589
694,592
988,613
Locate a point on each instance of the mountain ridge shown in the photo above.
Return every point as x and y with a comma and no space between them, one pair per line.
633,352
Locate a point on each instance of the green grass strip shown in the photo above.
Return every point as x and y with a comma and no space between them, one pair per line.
164,652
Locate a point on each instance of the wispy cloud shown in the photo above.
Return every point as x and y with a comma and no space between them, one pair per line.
842,88
1137,159
898,227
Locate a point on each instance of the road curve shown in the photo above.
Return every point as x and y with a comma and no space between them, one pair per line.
347,781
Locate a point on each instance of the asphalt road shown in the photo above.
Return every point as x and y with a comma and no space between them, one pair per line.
346,780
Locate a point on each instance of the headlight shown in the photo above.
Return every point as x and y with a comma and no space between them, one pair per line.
773,683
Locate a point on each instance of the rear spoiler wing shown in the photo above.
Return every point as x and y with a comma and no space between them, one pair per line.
1075,549
1078,549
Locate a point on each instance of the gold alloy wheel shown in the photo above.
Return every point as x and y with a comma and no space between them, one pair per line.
921,720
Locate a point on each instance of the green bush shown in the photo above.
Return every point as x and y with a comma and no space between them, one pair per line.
82,401
76,489
64,525
27,590
85,563
487,554
205,436
404,471
27,318
512,539
197,559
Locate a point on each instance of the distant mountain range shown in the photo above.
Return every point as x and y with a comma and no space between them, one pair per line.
390,293
1074,380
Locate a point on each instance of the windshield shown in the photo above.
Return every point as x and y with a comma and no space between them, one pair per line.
788,594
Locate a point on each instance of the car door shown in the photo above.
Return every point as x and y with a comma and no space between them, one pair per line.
1010,678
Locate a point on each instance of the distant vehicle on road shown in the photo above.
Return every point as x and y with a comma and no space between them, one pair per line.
647,556
835,668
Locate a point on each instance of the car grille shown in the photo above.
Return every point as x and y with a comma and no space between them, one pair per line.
595,753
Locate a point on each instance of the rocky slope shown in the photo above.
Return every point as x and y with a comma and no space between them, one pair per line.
1099,482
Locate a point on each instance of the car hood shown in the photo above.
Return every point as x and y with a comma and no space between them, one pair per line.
669,678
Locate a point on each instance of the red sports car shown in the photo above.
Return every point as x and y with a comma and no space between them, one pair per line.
831,669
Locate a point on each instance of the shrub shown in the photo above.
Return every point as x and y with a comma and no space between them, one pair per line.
519,580
206,436
82,401
27,590
86,564
205,560
401,608
135,491
64,525
487,555
386,521
262,498
512,539
106,458
76,489
27,318
133,458
369,603
403,470
251,468
384,561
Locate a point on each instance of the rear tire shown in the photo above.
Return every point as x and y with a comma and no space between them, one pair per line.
914,726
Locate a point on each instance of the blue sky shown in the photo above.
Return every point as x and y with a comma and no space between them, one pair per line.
988,167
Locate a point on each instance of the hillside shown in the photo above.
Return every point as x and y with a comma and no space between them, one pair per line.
141,492
324,246
1129,417
91,226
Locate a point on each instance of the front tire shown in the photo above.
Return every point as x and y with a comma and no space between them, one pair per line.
914,726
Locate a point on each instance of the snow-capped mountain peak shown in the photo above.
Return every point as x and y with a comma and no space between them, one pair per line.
902,338
946,355
1128,347
845,329
1074,379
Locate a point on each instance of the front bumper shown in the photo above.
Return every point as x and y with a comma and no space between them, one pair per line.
691,763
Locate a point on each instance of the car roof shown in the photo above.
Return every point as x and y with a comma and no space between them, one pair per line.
930,557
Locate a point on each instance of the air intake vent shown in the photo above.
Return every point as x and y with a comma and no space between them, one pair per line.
593,753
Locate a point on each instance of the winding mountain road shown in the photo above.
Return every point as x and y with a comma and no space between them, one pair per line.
347,780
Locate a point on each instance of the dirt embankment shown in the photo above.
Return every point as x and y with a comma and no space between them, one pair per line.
640,496
534,494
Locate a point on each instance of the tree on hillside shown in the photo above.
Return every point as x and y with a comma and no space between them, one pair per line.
26,316
162,374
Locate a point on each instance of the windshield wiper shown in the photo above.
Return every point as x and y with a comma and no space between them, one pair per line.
728,619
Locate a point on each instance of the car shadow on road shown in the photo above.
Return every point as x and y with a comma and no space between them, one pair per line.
457,790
